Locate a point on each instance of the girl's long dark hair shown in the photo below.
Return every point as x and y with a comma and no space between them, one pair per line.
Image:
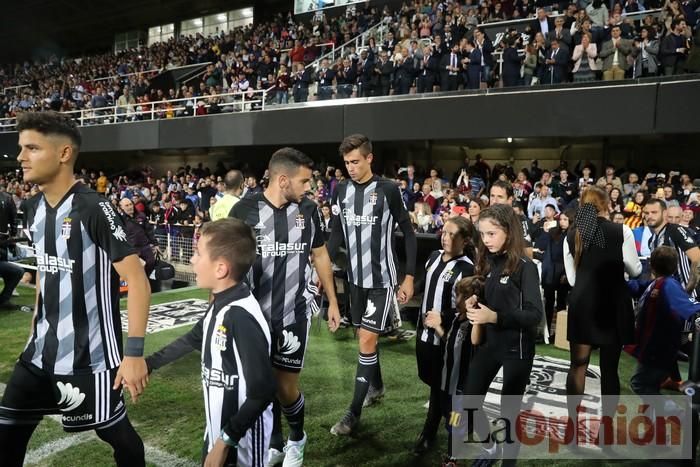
465,230
503,216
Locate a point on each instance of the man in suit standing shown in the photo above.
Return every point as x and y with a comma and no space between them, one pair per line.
365,65
472,65
345,79
403,73
485,46
324,78
542,23
383,71
562,35
428,67
301,80
449,69
614,55
556,64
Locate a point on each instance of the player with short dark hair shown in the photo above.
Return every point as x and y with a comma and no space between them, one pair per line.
367,209
288,233
73,362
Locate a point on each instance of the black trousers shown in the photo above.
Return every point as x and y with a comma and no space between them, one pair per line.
561,291
516,376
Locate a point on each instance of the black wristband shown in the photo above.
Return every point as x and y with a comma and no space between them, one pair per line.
134,347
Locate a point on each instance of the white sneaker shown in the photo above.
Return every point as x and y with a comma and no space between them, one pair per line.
294,453
274,457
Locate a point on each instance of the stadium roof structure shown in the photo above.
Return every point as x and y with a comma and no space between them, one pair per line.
34,28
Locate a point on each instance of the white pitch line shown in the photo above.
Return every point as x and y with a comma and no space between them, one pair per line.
154,455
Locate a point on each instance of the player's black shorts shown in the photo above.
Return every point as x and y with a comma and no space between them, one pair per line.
372,309
289,346
86,402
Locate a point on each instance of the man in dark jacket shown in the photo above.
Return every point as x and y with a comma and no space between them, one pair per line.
11,273
300,83
674,50
427,69
139,233
345,78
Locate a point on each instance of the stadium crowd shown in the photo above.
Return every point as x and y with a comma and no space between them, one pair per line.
593,267
180,201
426,47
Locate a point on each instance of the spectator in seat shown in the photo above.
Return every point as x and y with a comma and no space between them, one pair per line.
427,197
538,204
584,57
598,13
511,63
542,23
403,72
609,177
472,65
345,79
383,72
554,283
561,34
282,85
564,189
633,210
556,63
450,66
645,53
485,46
325,77
300,83
614,54
428,69
675,48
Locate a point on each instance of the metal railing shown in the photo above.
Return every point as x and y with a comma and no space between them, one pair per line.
4,91
118,76
359,42
240,101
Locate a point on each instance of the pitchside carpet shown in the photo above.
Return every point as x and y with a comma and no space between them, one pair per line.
169,417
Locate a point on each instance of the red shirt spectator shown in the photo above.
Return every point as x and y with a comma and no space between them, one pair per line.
428,198
297,53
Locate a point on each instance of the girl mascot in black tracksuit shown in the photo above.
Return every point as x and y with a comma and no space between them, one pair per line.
510,313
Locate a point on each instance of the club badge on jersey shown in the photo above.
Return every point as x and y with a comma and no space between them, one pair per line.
373,198
220,338
65,228
447,275
300,222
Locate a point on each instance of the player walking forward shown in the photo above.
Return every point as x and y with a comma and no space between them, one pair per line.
367,208
73,362
288,232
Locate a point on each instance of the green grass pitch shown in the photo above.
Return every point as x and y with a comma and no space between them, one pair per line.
169,416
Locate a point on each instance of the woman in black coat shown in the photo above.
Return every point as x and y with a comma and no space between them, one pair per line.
597,254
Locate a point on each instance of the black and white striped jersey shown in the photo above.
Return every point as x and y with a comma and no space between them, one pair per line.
281,275
237,375
440,293
237,381
679,238
457,355
366,216
77,329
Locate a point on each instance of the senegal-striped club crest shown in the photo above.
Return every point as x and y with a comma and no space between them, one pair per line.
300,222
373,198
447,275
